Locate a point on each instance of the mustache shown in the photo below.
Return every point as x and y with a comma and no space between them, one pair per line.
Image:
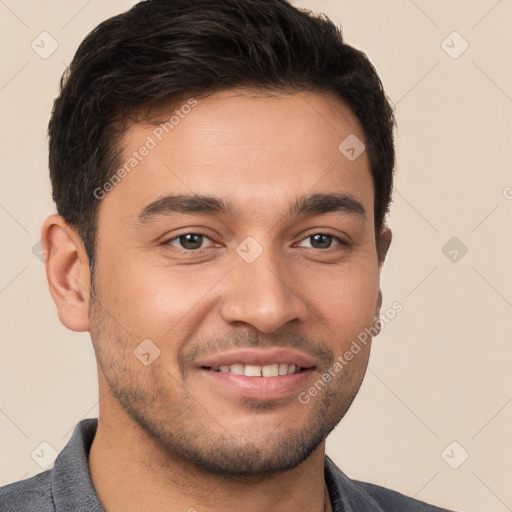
318,349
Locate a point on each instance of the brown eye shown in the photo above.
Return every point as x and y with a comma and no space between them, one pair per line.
322,241
188,241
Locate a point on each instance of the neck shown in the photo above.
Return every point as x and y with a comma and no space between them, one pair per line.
130,471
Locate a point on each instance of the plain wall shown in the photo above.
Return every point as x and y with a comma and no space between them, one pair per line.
440,370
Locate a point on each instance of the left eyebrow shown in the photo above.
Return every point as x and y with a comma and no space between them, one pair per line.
317,204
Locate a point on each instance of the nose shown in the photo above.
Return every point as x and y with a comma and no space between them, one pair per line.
262,294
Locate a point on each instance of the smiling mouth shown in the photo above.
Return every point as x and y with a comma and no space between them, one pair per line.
255,370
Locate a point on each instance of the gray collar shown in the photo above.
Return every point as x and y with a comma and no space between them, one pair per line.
72,487
344,493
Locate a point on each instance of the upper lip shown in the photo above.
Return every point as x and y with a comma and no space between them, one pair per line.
258,357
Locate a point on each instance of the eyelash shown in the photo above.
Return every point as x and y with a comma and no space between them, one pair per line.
167,243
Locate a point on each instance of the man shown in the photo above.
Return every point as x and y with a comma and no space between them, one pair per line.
222,170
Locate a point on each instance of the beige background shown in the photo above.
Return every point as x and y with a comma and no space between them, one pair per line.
439,372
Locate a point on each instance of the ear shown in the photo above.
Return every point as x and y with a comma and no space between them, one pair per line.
384,242
382,251
67,271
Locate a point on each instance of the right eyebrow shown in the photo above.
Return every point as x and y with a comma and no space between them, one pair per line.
186,204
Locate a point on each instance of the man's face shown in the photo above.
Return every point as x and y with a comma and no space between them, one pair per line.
257,279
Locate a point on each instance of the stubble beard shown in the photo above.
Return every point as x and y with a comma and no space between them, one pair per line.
187,431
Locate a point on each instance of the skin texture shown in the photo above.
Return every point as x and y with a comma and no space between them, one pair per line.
168,433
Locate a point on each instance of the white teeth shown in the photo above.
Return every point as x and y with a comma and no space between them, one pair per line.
256,370
271,370
237,369
252,370
283,369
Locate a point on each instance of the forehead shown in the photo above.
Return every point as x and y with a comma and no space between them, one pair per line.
254,148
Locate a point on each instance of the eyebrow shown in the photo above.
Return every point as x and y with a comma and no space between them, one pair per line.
326,203
314,204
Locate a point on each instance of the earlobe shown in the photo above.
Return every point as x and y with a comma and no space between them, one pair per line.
67,271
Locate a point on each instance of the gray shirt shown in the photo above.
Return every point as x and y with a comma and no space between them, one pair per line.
67,487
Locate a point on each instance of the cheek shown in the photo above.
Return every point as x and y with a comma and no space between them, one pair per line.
157,299
345,297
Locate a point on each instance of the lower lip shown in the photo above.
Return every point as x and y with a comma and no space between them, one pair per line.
260,388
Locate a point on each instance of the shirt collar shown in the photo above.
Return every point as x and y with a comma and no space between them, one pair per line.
72,487
344,494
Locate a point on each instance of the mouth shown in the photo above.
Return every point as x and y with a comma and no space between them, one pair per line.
256,370
258,374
